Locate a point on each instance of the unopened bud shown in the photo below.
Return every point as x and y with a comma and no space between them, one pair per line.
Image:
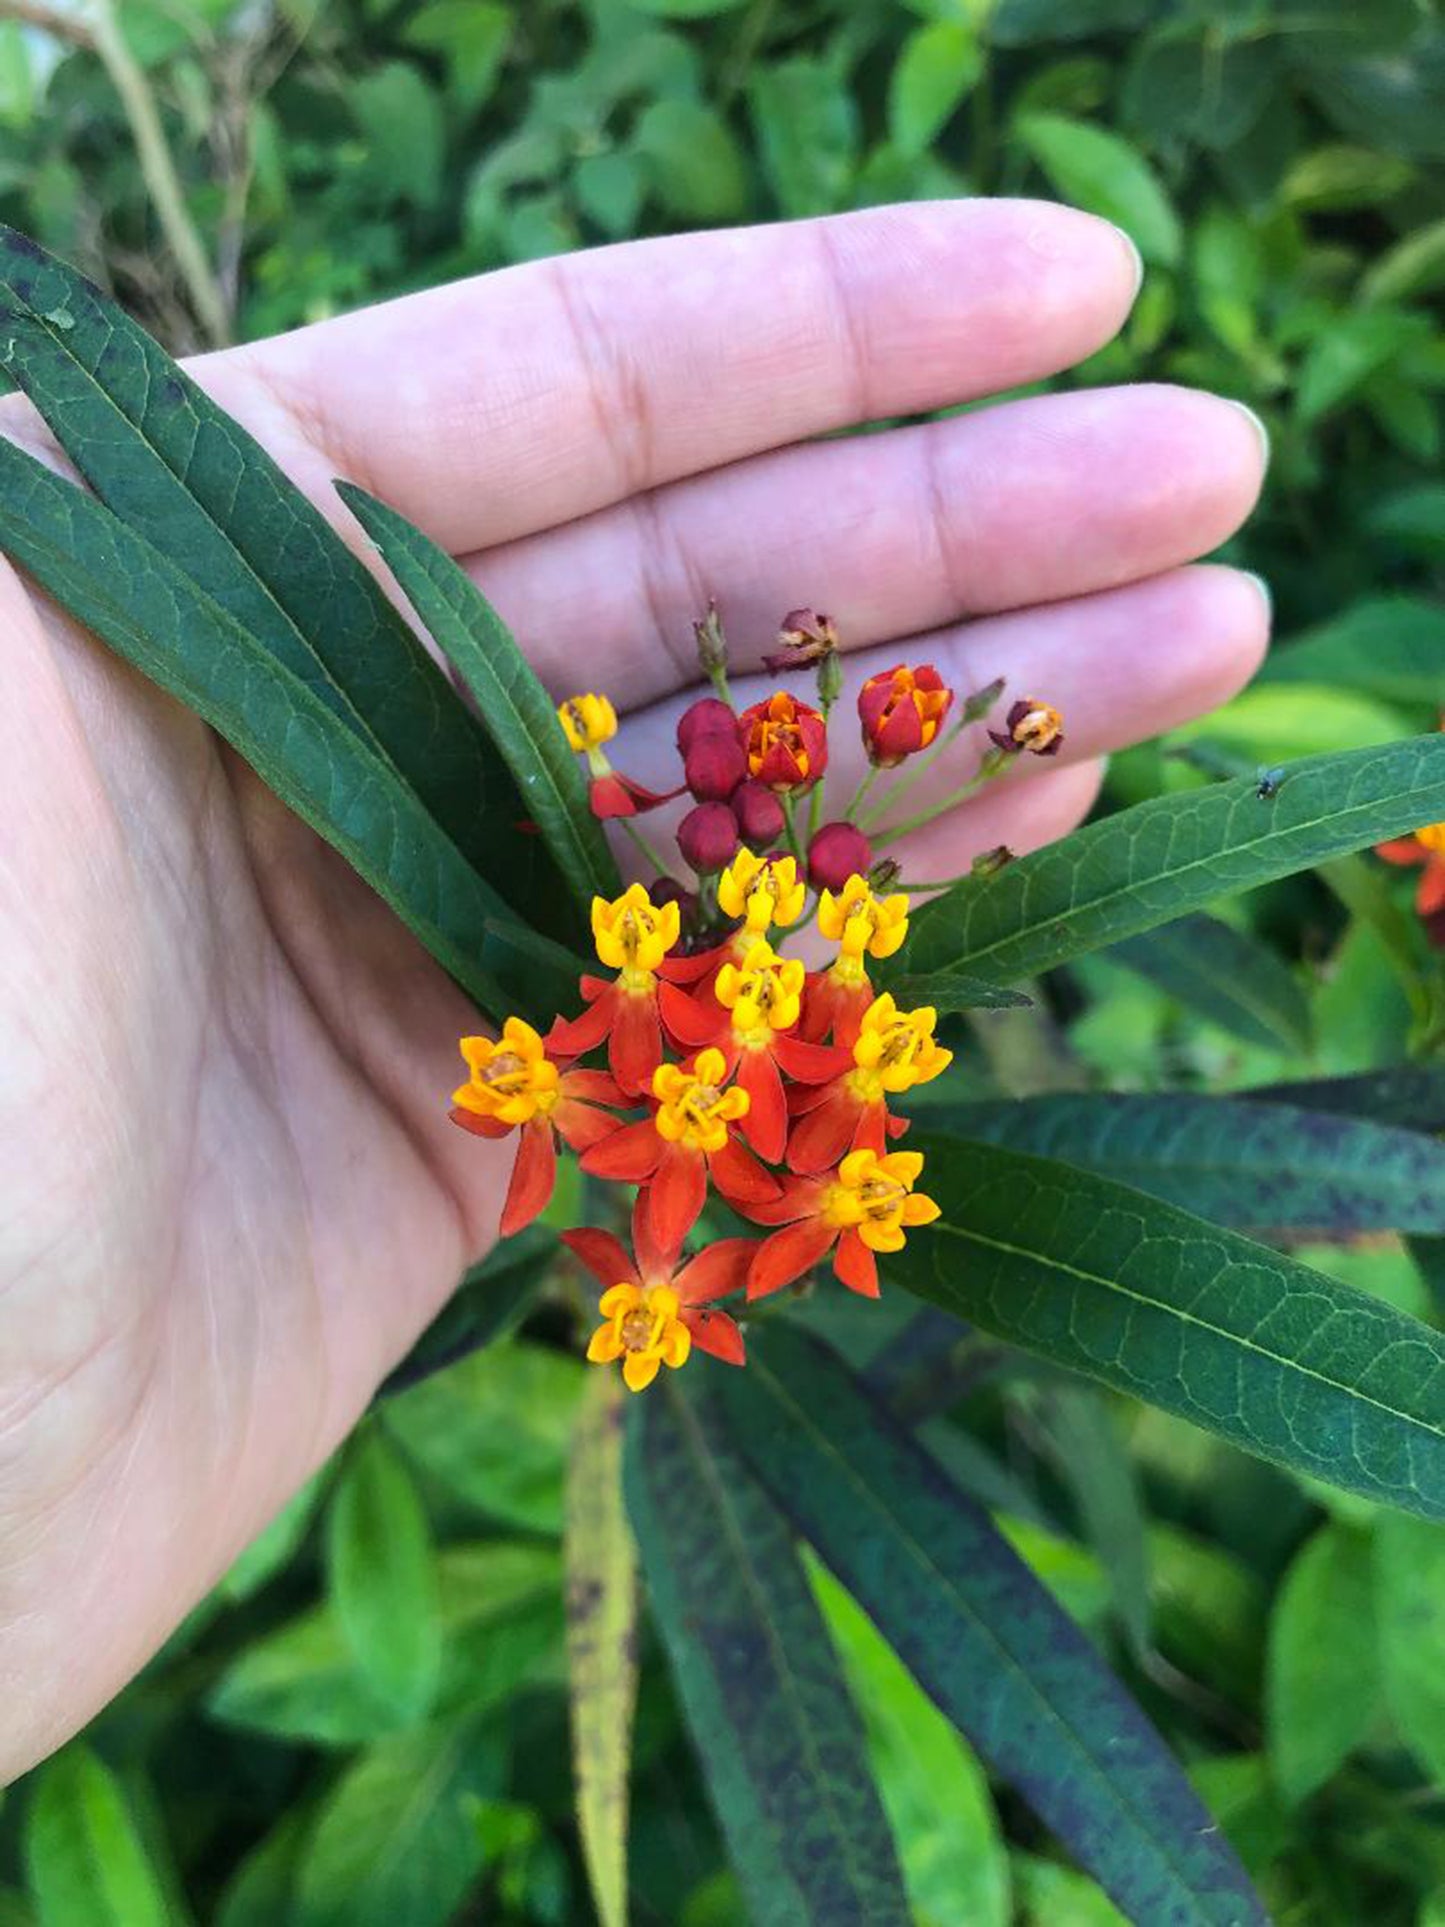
706,717
837,852
988,862
759,815
708,838
712,644
715,763
977,706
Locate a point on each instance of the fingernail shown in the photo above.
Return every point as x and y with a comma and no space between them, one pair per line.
1262,586
1137,257
1258,426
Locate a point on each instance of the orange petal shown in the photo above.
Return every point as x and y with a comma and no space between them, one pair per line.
822,1138
691,1023
653,1263
797,1198
629,1156
855,1265
533,1176
574,1036
635,1050
675,1198
583,1125
715,1333
480,1126
787,1255
692,970
593,1087
871,1133
1403,849
1430,896
604,1256
739,1176
809,1063
715,1271
765,1123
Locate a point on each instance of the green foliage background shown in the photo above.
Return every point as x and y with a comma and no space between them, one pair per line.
367,1721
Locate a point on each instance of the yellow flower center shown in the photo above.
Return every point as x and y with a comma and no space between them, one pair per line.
694,1108
874,1196
895,1050
643,1329
512,1078
862,923
633,936
764,995
587,721
761,891
1432,837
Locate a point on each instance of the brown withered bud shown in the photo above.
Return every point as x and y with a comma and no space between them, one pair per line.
759,814
712,644
837,852
989,862
977,706
884,875
805,640
708,838
1033,726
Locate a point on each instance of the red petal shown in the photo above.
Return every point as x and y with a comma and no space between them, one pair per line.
898,1126
594,1087
765,1125
480,1126
787,1255
715,1333
653,1262
825,1135
580,1126
739,1176
856,1265
675,1198
1404,849
1430,896
691,1023
630,1156
715,1271
635,1050
533,1176
809,1063
573,1036
692,970
871,1132
604,1256
617,795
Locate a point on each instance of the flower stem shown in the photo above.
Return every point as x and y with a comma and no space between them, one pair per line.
992,766
655,862
790,824
851,814
922,767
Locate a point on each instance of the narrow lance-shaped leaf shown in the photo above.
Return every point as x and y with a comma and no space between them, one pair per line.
181,472
1410,1095
1224,975
778,1738
84,1854
980,1635
1252,1165
601,1567
1174,854
149,612
515,709
1279,1359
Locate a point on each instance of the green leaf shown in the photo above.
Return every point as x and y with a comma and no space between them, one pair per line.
382,1575
85,1861
1278,1359
934,1791
1164,858
181,473
938,67
694,162
1269,725
1409,1095
1099,171
135,600
1081,1435
1019,23
495,1430
472,36
1337,178
516,710
807,135
956,990
778,1737
685,9
1344,355
401,121
601,1565
1225,975
980,1636
395,1840
1323,1677
488,1304
1184,85
1391,647
273,1548
1410,1614
1253,1165
501,1620
1414,266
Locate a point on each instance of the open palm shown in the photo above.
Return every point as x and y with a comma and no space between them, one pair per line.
229,1194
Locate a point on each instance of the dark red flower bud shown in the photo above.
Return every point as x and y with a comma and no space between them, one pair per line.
901,710
759,814
708,837
715,763
705,717
837,852
787,743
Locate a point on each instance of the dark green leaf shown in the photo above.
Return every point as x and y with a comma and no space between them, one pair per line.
179,471
1409,1095
516,709
1415,265
1323,1679
84,1855
1279,1359
1099,171
1185,84
488,1303
1082,1435
937,67
383,1576
979,1634
401,121
778,1737
1410,1613
956,990
1389,647
807,130
1163,858
1225,975
1258,1166
127,592
1017,23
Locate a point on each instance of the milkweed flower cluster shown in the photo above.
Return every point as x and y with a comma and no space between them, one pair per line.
708,1061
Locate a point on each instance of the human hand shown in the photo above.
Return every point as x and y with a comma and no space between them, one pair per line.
232,1196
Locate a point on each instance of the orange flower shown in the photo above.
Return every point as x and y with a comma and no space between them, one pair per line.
893,1052
633,936
514,1085
862,924
656,1311
787,743
1427,848
866,1206
901,710
687,1140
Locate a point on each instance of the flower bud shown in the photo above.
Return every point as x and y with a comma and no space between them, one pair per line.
665,890
901,710
759,814
715,763
787,743
837,852
706,717
712,644
708,837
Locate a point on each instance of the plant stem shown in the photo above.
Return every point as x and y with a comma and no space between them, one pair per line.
658,867
962,794
790,822
921,768
158,170
851,814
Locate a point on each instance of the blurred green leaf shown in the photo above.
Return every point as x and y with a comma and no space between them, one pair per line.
1082,1435
1324,1682
807,132
778,1737
488,1304
17,83
1017,23
1415,265
1344,355
84,1855
273,1548
1410,1615
686,9
601,1566
1391,647
1053,1896
1340,177
472,36
1412,516
1225,975
382,1576
400,118
1188,84
1100,171
937,68
610,189
693,161
1275,1357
